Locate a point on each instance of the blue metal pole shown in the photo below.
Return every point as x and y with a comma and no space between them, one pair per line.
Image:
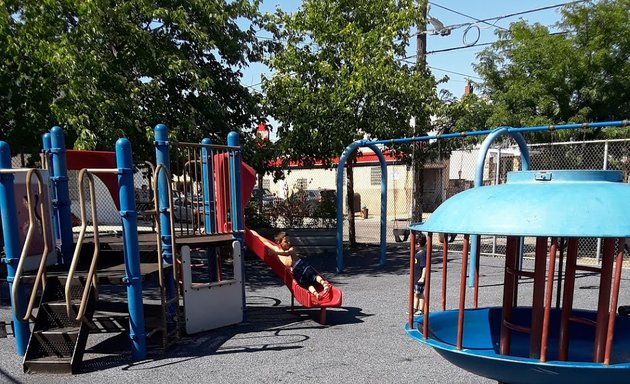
12,248
60,187
342,162
605,124
162,158
46,145
208,191
383,163
237,199
131,253
211,254
481,159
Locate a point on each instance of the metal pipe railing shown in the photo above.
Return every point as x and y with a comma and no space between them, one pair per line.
41,271
160,262
77,250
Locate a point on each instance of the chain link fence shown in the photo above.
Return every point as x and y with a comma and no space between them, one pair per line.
443,179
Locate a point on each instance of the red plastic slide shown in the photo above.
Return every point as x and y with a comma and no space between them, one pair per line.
260,246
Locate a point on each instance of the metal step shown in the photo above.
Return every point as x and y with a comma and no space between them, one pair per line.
3,329
58,341
49,364
55,315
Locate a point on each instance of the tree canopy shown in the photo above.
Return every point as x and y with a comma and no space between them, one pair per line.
342,75
104,69
581,74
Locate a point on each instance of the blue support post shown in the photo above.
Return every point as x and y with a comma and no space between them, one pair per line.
481,159
383,163
383,232
237,199
12,248
46,145
208,186
60,187
131,253
235,185
208,198
162,158
342,162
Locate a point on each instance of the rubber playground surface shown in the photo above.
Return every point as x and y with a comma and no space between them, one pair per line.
362,342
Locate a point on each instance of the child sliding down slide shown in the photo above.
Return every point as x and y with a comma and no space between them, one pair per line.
303,273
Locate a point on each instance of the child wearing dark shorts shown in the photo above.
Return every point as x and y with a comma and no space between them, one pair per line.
419,274
305,275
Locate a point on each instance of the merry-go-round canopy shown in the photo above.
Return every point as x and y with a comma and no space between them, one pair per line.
566,203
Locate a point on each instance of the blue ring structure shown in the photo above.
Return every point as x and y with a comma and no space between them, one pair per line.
558,203
480,352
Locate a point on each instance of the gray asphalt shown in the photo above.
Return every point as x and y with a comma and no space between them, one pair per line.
363,342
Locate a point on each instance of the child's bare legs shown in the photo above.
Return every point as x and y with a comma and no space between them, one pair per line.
323,282
312,290
418,302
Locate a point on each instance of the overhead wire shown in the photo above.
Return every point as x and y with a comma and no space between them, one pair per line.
497,18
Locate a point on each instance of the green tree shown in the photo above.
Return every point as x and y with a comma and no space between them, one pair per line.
103,69
536,77
341,76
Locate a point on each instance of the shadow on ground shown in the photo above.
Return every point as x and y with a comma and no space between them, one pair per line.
269,326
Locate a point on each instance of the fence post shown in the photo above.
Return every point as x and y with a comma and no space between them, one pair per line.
133,276
60,188
12,248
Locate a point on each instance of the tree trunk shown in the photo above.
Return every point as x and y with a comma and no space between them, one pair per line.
350,195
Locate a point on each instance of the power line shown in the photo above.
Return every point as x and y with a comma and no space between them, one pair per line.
460,47
497,18
254,85
478,45
468,16
455,73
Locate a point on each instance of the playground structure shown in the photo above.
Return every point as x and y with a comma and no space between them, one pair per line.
528,339
194,249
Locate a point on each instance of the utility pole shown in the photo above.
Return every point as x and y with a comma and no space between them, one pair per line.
417,162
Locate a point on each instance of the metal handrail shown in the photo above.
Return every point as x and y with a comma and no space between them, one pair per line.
158,224
77,250
158,230
201,145
41,271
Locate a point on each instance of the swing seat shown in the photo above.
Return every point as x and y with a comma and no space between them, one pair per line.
401,234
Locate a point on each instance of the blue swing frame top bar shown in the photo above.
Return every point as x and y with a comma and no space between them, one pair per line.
513,132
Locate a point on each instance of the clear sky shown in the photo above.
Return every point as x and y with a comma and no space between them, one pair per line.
460,60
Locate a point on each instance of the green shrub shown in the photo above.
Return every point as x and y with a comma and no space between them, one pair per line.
294,212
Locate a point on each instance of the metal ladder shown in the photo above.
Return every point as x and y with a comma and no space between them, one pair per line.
166,323
61,329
